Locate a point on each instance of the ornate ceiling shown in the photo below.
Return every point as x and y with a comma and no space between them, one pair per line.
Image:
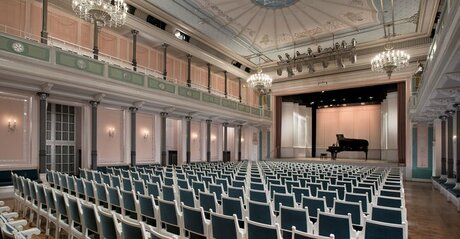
272,27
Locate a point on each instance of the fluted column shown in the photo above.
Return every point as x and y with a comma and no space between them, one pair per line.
163,116
133,135
450,146
443,147
208,140
457,145
239,90
239,141
134,62
42,132
189,70
187,143
165,58
94,105
96,40
225,156
225,82
209,78
44,32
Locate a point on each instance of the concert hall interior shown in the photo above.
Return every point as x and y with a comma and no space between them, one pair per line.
229,119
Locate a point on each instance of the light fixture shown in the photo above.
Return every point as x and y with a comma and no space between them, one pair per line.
145,134
111,13
213,138
194,136
337,52
242,140
389,60
260,82
111,132
11,125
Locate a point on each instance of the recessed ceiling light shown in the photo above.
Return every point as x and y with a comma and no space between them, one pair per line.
370,97
322,91
359,98
333,100
311,103
362,103
344,105
321,101
344,99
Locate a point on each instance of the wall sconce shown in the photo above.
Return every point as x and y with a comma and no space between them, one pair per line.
145,134
194,136
242,140
11,125
213,138
111,132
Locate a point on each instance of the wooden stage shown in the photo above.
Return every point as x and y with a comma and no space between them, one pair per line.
360,162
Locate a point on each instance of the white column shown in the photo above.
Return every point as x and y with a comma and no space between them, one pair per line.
203,137
157,138
220,141
183,142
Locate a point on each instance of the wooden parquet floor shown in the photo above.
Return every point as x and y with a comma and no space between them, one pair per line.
429,214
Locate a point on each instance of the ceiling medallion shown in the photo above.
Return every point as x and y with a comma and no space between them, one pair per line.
275,4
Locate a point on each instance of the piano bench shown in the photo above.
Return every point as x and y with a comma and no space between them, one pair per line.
323,156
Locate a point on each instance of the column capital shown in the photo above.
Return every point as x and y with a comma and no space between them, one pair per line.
457,106
133,109
225,124
164,114
443,117
188,117
165,45
134,32
209,65
43,95
189,56
450,113
208,121
94,103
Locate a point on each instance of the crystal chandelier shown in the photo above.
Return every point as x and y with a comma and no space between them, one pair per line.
100,13
390,60
110,13
260,82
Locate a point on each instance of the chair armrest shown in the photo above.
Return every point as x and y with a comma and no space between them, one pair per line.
30,232
4,209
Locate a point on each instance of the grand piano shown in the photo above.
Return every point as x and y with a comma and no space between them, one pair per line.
347,144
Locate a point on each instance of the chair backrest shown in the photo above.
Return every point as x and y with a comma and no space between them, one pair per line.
329,195
389,202
101,192
72,209
50,200
299,192
218,189
314,187
297,217
116,181
89,189
236,192
167,193
153,189
114,196
290,184
232,206
182,183
353,208
168,212
340,189
88,215
128,200
256,186
208,201
279,188
168,181
224,182
339,225
285,199
296,234
187,197
364,190
357,197
238,183
387,214
127,184
132,229
314,204
194,220
258,195
60,203
139,186
107,223
80,187
224,227
260,230
147,209
377,230
260,212
106,179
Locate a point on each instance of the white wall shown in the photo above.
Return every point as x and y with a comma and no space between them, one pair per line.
358,122
145,135
111,149
389,128
295,130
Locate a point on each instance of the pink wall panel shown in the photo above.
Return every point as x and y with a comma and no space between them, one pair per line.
142,56
144,137
160,61
86,35
214,143
153,59
35,26
178,70
123,49
108,43
195,139
63,27
109,148
169,67
12,109
204,77
13,16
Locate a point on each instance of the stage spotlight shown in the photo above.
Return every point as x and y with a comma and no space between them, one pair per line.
353,58
280,57
325,63
309,51
353,42
297,53
320,49
289,71
299,67
337,45
311,67
344,44
288,57
340,63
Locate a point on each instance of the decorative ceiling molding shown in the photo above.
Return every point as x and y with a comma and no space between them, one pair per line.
449,92
455,76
